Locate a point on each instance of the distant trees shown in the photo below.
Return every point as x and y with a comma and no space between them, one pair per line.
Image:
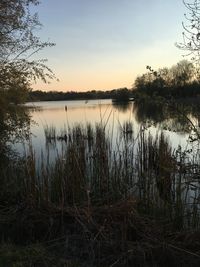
181,80
121,94
174,81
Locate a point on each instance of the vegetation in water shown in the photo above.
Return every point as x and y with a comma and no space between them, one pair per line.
98,196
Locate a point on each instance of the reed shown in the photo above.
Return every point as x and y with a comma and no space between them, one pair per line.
92,166
106,186
50,133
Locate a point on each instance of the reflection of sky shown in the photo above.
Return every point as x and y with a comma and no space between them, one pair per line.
53,113
69,104
94,111
105,44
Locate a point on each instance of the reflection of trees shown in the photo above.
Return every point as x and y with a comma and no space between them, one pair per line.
149,111
176,124
168,116
14,126
122,106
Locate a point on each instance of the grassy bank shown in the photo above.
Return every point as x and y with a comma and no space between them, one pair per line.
102,202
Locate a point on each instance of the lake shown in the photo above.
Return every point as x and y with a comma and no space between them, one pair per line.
64,114
156,170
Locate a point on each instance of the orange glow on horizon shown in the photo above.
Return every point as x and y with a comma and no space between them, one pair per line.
94,82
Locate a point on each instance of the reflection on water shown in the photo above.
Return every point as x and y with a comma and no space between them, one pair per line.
142,164
122,106
114,115
164,116
64,114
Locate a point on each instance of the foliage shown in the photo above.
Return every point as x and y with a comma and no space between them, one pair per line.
122,94
18,44
177,81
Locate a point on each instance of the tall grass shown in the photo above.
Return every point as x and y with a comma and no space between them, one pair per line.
102,193
92,169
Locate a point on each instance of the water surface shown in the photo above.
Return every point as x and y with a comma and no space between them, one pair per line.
64,114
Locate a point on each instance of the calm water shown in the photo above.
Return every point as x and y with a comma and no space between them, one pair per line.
62,114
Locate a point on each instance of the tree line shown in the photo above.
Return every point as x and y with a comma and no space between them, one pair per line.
179,81
121,94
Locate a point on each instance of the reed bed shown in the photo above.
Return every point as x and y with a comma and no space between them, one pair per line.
91,168
134,197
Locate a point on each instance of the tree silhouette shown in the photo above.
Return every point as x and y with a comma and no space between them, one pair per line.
191,32
18,69
17,45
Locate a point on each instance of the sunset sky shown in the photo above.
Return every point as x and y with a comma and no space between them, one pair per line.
105,44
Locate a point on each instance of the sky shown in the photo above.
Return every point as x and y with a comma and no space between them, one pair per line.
106,44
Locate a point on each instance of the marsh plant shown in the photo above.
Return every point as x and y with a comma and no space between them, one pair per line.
93,169
50,133
102,195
